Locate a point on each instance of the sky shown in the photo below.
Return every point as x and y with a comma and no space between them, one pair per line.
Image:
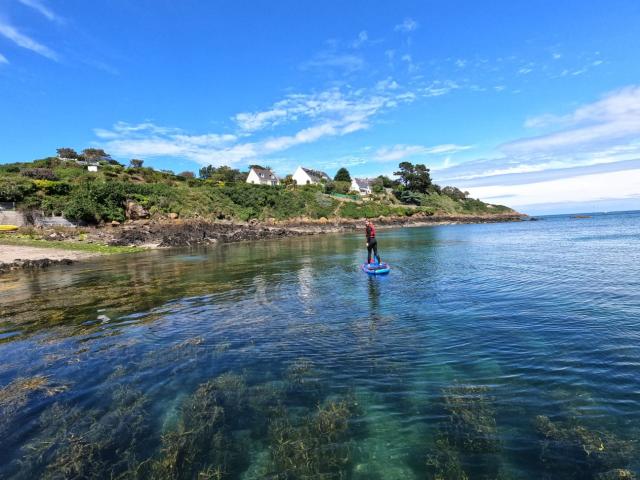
534,104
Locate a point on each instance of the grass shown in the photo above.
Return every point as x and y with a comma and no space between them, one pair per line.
103,249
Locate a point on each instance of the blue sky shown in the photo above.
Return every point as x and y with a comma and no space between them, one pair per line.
532,104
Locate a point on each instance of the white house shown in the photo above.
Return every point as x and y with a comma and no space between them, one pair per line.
92,167
306,176
262,176
362,185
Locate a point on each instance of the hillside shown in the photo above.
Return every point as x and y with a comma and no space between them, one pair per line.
117,193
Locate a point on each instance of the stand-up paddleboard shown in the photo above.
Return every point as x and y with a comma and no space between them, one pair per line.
376,268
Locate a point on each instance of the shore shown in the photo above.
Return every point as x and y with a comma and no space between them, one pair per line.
17,257
39,248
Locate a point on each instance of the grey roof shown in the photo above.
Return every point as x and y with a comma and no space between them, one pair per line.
268,174
316,175
363,182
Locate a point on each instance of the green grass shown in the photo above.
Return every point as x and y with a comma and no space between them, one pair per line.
26,241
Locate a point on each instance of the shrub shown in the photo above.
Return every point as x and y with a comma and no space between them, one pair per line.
95,201
40,173
51,187
14,189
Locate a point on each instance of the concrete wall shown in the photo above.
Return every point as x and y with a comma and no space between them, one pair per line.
9,215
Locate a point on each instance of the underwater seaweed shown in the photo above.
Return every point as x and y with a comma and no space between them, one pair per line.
202,444
314,446
471,424
570,450
89,444
444,463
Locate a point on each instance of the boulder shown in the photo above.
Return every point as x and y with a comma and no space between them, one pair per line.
135,211
173,216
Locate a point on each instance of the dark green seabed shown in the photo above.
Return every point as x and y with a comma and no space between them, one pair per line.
503,351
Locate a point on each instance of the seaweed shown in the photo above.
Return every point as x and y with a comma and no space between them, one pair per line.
570,450
471,424
202,444
445,463
15,395
303,382
75,443
314,446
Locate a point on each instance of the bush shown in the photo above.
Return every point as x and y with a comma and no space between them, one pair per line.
14,189
95,201
39,173
51,187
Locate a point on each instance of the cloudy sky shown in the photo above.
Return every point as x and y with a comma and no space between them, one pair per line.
531,104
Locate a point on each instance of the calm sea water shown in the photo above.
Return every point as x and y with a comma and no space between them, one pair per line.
490,351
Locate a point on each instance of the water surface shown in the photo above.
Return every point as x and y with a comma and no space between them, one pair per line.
490,351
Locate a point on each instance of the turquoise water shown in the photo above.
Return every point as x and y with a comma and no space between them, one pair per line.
490,351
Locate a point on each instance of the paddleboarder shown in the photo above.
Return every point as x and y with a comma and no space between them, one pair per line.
372,243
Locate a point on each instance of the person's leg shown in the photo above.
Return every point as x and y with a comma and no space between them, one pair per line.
375,251
369,248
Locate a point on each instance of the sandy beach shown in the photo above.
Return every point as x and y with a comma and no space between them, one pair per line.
11,253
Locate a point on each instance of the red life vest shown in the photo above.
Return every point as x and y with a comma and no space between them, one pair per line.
371,231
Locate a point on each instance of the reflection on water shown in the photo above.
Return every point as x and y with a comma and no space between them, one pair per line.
490,351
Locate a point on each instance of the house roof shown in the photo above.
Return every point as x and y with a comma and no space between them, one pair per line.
316,175
363,182
265,172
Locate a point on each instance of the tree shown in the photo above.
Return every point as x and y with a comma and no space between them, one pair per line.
415,178
377,185
186,174
342,175
455,193
135,163
288,181
96,155
387,182
66,152
222,174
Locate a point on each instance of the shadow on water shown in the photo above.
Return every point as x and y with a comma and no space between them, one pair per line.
283,360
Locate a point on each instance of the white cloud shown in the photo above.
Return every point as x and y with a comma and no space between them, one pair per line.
22,40
613,119
583,188
330,113
345,61
41,8
408,25
400,152
363,38
3,59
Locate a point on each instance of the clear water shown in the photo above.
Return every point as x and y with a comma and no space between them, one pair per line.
490,351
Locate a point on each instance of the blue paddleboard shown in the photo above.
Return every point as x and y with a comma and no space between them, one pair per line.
376,268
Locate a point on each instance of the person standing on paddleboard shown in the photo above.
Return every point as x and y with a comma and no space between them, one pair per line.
372,243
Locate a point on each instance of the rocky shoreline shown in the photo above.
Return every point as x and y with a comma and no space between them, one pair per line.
37,264
190,233
184,233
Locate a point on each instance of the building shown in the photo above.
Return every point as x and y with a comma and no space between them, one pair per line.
306,176
92,167
364,186
262,176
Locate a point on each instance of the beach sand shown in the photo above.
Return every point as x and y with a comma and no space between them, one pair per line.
11,253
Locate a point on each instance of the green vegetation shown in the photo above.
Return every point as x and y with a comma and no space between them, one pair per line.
64,186
570,450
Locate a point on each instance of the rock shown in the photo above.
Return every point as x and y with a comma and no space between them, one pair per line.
135,211
115,223
173,216
323,220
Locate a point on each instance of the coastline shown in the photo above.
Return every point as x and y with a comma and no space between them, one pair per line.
45,247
